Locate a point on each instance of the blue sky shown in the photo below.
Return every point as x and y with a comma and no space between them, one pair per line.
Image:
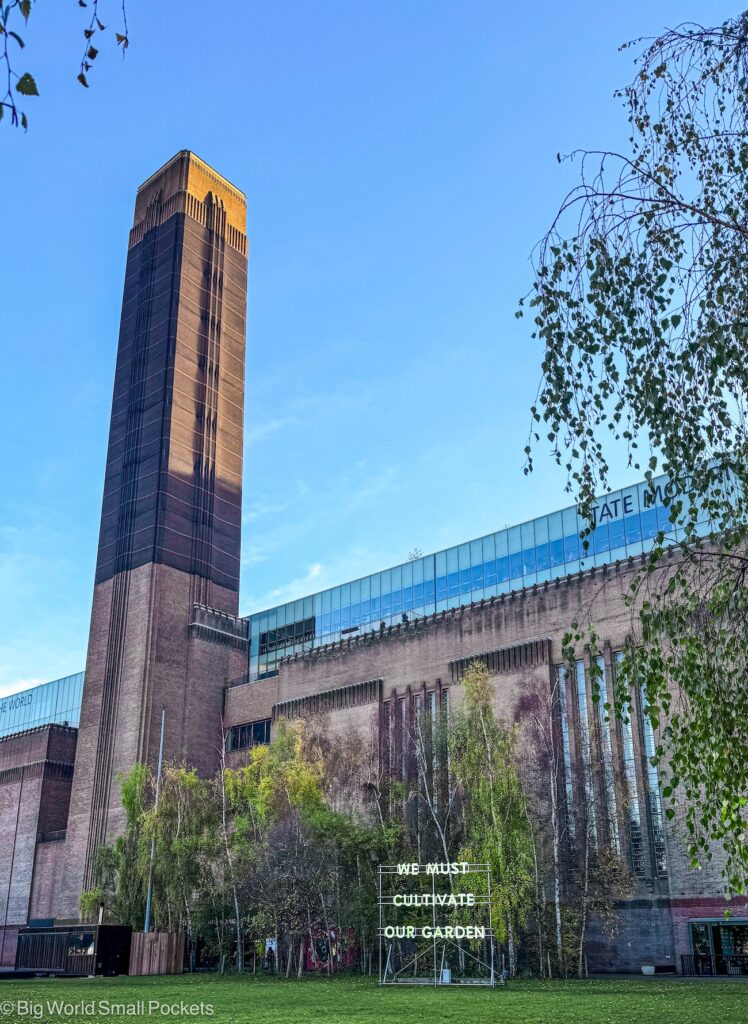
399,163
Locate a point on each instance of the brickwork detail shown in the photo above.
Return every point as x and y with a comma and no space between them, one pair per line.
164,627
330,700
505,659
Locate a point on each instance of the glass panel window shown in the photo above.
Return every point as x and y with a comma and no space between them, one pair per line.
542,557
464,581
629,763
565,746
654,796
606,743
633,529
649,523
601,539
586,745
571,547
476,552
617,534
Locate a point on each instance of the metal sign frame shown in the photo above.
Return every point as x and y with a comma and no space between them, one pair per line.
403,960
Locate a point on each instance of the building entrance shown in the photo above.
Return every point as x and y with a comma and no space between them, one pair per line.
718,947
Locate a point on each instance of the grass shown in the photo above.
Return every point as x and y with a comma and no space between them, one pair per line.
361,1001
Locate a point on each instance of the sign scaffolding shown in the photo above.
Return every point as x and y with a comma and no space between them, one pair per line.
435,924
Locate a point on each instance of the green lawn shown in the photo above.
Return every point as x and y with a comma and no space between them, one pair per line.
356,1001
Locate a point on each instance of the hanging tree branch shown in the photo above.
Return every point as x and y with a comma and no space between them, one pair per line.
24,84
640,300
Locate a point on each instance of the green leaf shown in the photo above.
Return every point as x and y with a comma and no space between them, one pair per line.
25,9
27,86
82,79
14,35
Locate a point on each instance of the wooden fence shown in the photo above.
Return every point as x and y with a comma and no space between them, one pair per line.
157,953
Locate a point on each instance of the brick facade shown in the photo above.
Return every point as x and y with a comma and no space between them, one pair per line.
519,638
36,769
164,632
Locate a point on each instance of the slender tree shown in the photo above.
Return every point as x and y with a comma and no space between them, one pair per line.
496,827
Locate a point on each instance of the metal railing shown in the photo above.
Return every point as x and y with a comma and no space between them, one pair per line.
705,964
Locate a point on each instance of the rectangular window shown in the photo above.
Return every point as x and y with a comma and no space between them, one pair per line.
476,577
251,734
606,723
542,557
633,529
565,746
571,548
601,538
586,744
515,565
636,836
386,738
654,797
649,523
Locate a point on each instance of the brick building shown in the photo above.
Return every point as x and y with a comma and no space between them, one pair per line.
36,770
359,660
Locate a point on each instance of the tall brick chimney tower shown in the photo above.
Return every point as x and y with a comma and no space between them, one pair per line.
164,626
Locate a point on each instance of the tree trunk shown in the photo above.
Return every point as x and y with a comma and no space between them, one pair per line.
230,863
585,897
510,948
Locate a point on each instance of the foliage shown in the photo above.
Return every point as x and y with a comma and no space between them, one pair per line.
640,299
496,825
287,846
89,903
121,870
24,84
